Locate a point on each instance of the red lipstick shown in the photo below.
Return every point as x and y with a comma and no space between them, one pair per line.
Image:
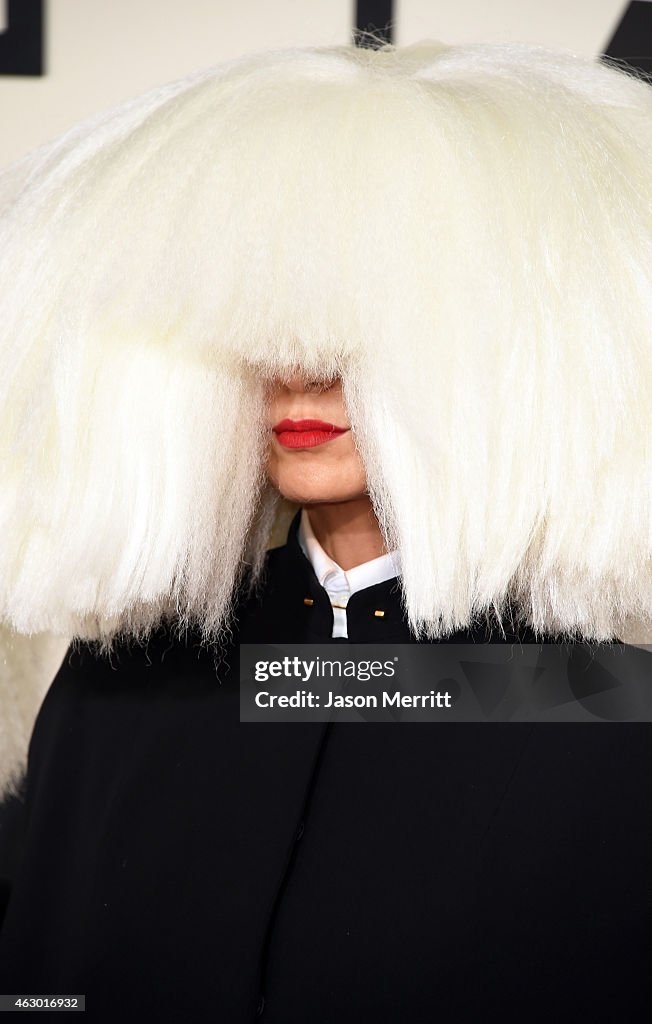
306,433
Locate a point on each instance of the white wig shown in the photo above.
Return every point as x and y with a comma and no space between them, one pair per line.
464,234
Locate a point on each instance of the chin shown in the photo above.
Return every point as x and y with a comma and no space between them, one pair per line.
306,484
302,493
309,497
301,489
322,498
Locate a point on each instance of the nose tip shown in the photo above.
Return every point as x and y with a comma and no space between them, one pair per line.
296,382
300,383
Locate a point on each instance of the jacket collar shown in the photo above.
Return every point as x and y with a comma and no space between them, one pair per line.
293,607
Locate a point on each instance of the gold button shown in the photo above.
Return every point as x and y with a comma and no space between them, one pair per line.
309,601
379,614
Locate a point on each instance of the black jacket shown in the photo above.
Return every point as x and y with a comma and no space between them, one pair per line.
181,864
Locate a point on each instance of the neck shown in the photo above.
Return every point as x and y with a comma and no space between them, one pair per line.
348,531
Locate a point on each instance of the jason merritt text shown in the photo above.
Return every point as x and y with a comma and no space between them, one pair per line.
395,699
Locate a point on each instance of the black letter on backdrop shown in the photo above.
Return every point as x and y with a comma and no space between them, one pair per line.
373,16
22,42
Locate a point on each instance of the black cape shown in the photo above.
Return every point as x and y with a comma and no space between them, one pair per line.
183,865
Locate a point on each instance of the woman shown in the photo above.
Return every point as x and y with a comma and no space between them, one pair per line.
441,255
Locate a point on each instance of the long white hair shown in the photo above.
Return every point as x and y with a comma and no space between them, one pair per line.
463,234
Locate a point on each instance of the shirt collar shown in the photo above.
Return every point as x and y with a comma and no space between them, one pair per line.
335,579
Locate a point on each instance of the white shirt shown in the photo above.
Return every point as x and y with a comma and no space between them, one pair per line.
338,583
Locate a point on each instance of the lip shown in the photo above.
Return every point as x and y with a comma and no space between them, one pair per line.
306,433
